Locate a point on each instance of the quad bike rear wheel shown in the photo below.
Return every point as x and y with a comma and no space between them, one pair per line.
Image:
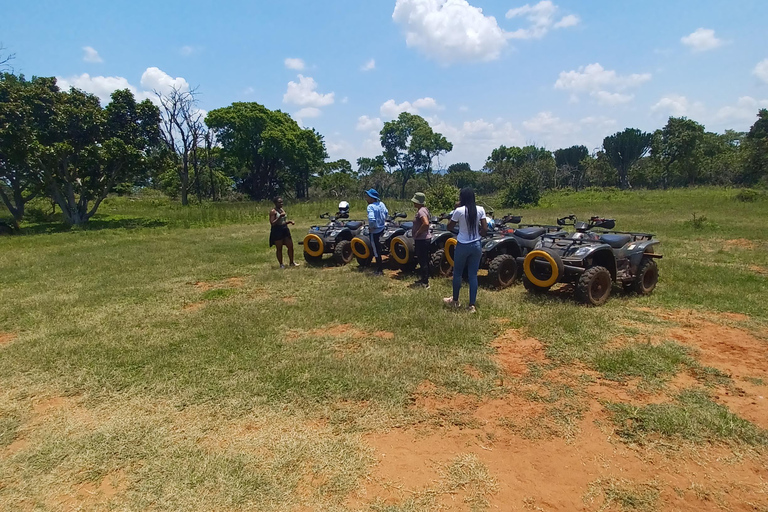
647,277
439,265
502,271
342,253
594,286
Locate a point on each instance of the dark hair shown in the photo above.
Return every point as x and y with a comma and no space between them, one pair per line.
276,199
467,200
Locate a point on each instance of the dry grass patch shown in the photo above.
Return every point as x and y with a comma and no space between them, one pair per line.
7,337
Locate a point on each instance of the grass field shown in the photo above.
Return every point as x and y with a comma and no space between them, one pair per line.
159,360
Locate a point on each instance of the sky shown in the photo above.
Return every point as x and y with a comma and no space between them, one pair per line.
482,72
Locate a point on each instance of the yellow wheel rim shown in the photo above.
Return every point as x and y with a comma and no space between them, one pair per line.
360,249
320,245
393,244
451,242
552,263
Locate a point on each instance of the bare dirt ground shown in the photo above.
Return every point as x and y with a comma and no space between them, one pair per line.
584,467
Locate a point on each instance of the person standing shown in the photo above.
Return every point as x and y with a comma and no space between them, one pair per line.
279,234
377,221
472,227
422,237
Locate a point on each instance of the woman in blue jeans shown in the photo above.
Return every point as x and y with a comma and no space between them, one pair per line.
472,227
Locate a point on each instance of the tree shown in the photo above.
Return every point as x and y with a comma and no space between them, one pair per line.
676,146
94,149
372,173
5,59
507,162
459,167
570,164
27,109
410,146
756,151
624,149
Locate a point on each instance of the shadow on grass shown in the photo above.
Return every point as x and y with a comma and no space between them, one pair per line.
95,224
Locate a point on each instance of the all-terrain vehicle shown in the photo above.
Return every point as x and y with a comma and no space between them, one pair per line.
504,244
361,244
333,238
593,261
403,247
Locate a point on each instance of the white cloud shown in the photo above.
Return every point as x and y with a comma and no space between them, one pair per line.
745,109
186,51
390,109
296,64
702,40
308,112
450,30
304,94
677,106
368,124
369,66
91,55
248,91
546,122
611,98
761,70
152,80
541,18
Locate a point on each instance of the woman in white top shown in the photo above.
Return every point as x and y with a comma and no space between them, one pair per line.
472,227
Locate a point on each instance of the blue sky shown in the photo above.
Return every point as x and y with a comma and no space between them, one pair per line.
482,72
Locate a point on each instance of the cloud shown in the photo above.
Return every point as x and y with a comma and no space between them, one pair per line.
745,109
761,70
91,55
677,106
546,122
369,66
308,112
390,109
296,64
450,31
541,18
186,51
367,124
304,94
153,79
602,84
702,40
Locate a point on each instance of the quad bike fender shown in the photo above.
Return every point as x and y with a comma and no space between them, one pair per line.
505,246
439,239
636,251
602,256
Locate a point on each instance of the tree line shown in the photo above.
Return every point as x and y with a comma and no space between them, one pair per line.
66,146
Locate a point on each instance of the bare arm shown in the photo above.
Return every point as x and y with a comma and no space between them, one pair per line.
451,225
483,227
273,217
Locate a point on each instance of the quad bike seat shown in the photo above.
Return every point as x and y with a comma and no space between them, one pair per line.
616,241
530,233
406,225
354,224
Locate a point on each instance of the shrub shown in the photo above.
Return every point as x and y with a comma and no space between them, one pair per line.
523,191
441,197
747,195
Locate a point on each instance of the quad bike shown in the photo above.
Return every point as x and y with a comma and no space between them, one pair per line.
403,247
361,244
333,238
593,261
504,244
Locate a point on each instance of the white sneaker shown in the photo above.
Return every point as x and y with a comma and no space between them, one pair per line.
471,309
448,301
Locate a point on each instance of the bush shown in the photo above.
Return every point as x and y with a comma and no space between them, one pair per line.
441,197
523,191
748,195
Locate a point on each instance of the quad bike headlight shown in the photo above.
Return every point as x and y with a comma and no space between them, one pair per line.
582,251
538,245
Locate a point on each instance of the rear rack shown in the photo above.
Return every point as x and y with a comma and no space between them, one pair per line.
549,228
636,237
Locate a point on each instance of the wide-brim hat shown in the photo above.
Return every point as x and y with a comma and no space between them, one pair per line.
419,198
372,194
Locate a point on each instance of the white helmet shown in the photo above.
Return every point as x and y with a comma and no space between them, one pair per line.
343,206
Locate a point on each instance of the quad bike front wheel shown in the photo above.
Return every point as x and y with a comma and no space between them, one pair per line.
342,253
647,277
439,264
594,286
502,270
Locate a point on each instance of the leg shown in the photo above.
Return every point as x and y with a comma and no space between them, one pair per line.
279,251
473,265
288,242
422,253
459,262
376,247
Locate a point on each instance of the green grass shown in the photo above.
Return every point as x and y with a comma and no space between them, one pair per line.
103,315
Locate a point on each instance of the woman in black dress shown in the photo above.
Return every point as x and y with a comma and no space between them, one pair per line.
279,234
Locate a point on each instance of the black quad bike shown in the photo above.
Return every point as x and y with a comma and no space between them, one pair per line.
593,261
504,244
361,244
403,247
333,238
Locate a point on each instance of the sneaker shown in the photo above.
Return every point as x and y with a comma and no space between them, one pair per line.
448,301
471,309
282,266
295,264
378,272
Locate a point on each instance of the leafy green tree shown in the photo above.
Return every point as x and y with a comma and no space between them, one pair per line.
94,149
459,167
756,151
27,108
570,166
506,163
624,149
598,170
676,147
410,146
525,188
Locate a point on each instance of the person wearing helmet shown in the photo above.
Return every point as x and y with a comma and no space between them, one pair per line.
377,221
279,234
343,210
